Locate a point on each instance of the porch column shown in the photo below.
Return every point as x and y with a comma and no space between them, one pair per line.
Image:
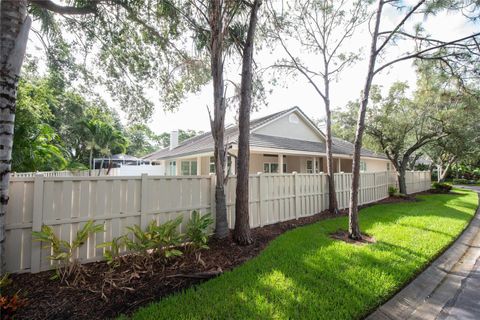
233,168
339,165
314,165
199,166
164,166
280,163
178,165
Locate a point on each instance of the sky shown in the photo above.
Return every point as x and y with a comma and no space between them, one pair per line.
192,112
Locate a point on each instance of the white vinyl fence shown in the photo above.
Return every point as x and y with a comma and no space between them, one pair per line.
416,181
66,203
64,173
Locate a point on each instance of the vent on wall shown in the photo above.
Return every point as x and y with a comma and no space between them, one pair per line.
293,118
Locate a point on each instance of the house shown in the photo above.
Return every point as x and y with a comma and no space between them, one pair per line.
283,142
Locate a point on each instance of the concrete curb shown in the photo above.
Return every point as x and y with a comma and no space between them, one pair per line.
415,301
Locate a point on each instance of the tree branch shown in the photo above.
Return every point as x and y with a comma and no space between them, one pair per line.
399,25
67,10
419,54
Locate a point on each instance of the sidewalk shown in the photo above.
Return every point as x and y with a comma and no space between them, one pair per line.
448,289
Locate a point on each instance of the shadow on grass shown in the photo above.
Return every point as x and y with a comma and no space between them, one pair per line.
304,274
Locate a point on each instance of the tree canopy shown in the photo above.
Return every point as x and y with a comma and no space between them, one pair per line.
57,128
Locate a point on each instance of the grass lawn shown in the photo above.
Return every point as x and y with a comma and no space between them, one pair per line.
304,274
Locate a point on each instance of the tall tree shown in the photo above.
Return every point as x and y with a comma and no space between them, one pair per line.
137,49
36,145
242,234
323,28
217,32
402,126
450,52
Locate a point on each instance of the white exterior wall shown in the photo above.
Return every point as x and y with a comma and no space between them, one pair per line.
375,165
158,170
283,127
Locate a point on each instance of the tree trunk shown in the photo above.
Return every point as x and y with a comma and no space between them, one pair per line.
402,185
218,122
101,167
90,159
332,195
446,171
353,225
242,234
14,28
110,164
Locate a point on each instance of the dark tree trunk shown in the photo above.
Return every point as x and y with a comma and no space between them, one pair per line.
14,28
110,164
218,122
332,195
402,185
353,225
242,234
90,159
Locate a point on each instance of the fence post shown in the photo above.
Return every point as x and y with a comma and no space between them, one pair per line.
144,201
296,184
262,199
37,218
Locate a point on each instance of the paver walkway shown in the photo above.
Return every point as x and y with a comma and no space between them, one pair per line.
448,289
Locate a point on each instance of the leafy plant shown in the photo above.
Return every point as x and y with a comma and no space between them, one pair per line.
62,250
198,230
9,304
112,254
160,239
392,191
464,181
441,187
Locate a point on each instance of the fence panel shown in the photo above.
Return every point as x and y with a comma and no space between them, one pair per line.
67,203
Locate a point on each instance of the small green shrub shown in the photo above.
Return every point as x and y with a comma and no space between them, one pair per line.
112,250
160,239
198,229
441,187
460,181
62,250
392,191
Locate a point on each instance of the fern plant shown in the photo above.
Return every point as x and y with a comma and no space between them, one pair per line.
197,230
62,250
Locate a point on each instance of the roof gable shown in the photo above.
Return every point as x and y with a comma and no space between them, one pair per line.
293,124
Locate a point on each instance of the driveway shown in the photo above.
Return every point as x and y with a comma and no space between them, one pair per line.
448,289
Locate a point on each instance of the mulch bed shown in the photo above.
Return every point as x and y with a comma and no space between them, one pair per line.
49,299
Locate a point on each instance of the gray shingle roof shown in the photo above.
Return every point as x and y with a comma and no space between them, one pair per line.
204,142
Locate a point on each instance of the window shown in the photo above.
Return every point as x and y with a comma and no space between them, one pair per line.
388,166
310,166
284,168
189,168
212,164
269,167
363,166
172,168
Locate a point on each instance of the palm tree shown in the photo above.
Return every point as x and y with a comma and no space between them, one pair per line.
93,130
110,139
